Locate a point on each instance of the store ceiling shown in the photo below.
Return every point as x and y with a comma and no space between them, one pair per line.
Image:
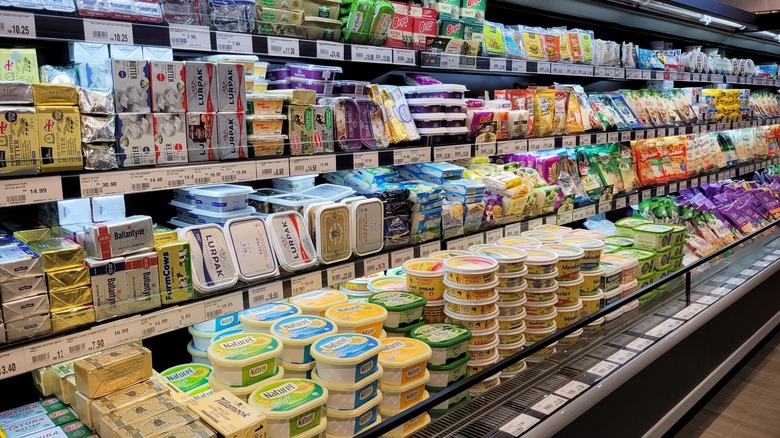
756,6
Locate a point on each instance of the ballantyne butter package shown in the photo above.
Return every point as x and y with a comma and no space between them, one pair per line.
120,237
229,416
142,280
59,137
112,369
175,270
109,287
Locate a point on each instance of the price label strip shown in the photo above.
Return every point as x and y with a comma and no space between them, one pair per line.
397,258
266,293
363,160
404,57
18,25
276,168
372,54
30,191
225,304
315,164
190,37
340,274
283,47
306,283
330,50
104,183
234,42
112,32
428,248
375,264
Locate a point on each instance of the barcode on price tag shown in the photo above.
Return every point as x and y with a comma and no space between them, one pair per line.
372,54
190,37
397,258
485,149
30,190
404,57
458,244
620,203
492,236
283,47
17,24
428,248
375,264
497,64
225,304
113,32
549,404
265,293
104,183
273,168
330,50
340,274
621,356
603,368
306,283
192,314
315,164
234,42
519,66
449,61
511,146
519,424
363,160
162,321
513,230
572,389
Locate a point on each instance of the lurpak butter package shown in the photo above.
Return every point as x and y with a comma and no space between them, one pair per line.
59,137
112,369
231,136
64,279
173,260
213,267
170,138
135,139
120,237
231,87
19,262
72,318
125,397
45,406
168,90
143,281
31,425
125,416
131,86
20,151
156,425
27,328
229,416
59,253
109,287
201,86
201,139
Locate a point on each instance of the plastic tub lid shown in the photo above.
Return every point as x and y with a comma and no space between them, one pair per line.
280,117
552,274
343,387
632,283
546,317
597,322
345,349
200,334
188,376
355,314
180,204
227,332
288,398
451,314
448,254
511,290
579,280
481,363
582,242
425,101
545,290
609,269
573,308
427,117
455,116
516,331
452,284
548,303
515,303
425,267
622,260
251,248
453,102
520,242
632,222
485,332
542,236
264,96
244,349
221,190
544,331
389,283
302,330
319,300
452,364
224,215
299,367
314,67
483,302
274,138
329,192
355,413
653,228
502,253
483,347
540,257
426,420
244,391
213,267
364,279
406,386
194,352
471,265
298,177
619,241
405,329
437,303
265,315
402,352
293,200
564,252
613,293
636,253
355,293
598,271
596,296
441,335
397,301
451,88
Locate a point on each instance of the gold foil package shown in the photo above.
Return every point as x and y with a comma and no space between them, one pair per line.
59,253
72,318
70,298
64,279
55,95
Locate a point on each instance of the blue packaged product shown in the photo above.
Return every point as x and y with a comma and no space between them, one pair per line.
464,186
442,169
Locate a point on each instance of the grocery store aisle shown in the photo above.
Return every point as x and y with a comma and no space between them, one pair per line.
748,405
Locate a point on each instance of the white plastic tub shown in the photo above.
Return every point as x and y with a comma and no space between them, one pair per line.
355,421
213,267
244,359
352,395
297,370
291,202
294,184
402,307
292,245
251,248
217,324
297,333
329,192
198,356
447,341
346,358
221,197
188,376
318,301
260,319
443,375
243,392
184,212
220,217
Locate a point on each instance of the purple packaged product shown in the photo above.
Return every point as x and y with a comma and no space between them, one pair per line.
426,121
284,84
373,125
350,87
420,79
347,116
548,168
425,105
771,203
454,106
433,92
493,209
735,216
320,87
747,207
314,72
455,123
277,74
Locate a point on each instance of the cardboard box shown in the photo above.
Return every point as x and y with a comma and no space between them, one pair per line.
170,138
116,238
169,94
128,396
201,86
231,87
231,136
109,287
69,389
45,406
158,53
95,76
31,425
135,137
400,33
77,429
108,208
88,52
229,416
143,281
125,51
20,151
423,28
27,328
112,369
70,212
131,86
59,137
173,260
421,12
20,65
200,136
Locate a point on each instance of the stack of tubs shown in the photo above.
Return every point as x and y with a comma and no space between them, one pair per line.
590,271
215,204
244,362
361,318
202,334
425,277
403,384
404,311
297,334
450,358
541,299
570,280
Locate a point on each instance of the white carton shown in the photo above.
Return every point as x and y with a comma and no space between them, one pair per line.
168,90
201,86
121,237
200,136
158,53
71,212
170,138
88,52
108,208
143,281
135,138
109,287
124,51
131,85
231,135
232,89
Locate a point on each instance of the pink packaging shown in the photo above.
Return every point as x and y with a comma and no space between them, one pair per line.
420,12
423,28
400,33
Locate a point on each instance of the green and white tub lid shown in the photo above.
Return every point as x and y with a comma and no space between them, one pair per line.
287,398
653,228
619,241
243,349
632,222
303,328
188,376
641,255
397,301
441,335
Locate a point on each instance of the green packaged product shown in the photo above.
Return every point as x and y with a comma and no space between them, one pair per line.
357,17
448,9
451,28
494,44
473,11
383,18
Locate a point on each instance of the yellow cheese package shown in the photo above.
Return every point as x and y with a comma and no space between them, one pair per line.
69,278
70,298
112,369
229,416
19,65
544,111
55,95
59,137
59,253
126,397
72,318
127,415
157,425
19,149
173,261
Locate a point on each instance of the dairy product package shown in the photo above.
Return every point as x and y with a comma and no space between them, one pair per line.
63,279
69,212
112,369
32,425
200,136
109,287
88,52
25,308
98,129
19,262
69,298
3,338
229,416
71,318
292,243
96,101
27,328
135,137
100,156
20,151
20,65
168,90
45,381
59,137
58,253
201,86
22,288
163,235
124,416
80,403
70,430
173,260
55,95
158,53
231,136
126,397
251,248
157,424
213,267
131,85
120,237
42,407
170,138
143,281
195,429
231,87
15,93
108,208
125,51
95,76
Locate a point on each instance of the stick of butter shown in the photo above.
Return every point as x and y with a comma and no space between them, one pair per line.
126,397
229,416
157,425
112,370
128,415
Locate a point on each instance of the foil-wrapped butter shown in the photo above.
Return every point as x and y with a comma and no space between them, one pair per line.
58,253
72,318
15,93
98,129
96,102
125,397
125,416
22,288
112,369
27,328
55,95
69,298
64,279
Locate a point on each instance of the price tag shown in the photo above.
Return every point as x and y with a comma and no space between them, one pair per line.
128,330
620,203
449,153
145,180
519,66
12,363
404,57
313,164
492,236
690,311
397,258
578,214
621,357
112,32
625,135
272,168
382,55
191,314
234,42
306,283
225,304
239,172
673,188
565,217
538,144
639,344
330,50
600,71
556,68
569,141
497,64
340,274
633,199
613,137
572,389
375,264
601,138
449,61
519,424
511,146
160,322
363,160
647,74
30,190
458,244
428,248
423,155
19,25
46,353
549,404
283,47
104,183
266,293
485,149
543,67
618,73
664,328
603,368
640,135
513,230
190,37
583,140
605,207
476,239
660,190
647,194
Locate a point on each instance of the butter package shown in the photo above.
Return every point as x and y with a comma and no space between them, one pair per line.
15,93
201,86
22,288
70,298
300,120
175,272
69,212
200,136
163,235
3,339
125,416
109,287
195,429
173,391
120,237
88,52
58,253
20,65
81,404
113,369
77,429
108,208
20,310
31,425
158,53
142,281
298,96
125,397
61,374
131,85
170,138
156,425
70,278
74,317
42,407
20,151
69,389
33,234
95,76
232,89
231,136
323,128
59,137
168,92
27,328
126,51
229,416
55,95
135,137
44,381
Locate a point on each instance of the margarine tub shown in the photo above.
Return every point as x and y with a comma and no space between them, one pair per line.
592,249
610,277
539,322
509,337
545,237
349,396
510,259
592,303
389,283
447,254
678,234
217,324
519,368
213,267
433,312
475,366
292,406
452,371
478,324
619,241
678,250
251,248
347,357
647,279
355,296
540,262
403,331
396,271
542,295
591,280
447,341
406,395
541,308
610,297
643,257
361,284
352,422
653,236
613,315
188,376
227,332
484,351
474,292
661,274
677,263
590,234
569,291
402,307
662,259
318,301
511,322
362,318
403,360
628,266
244,359
297,370
471,270
450,404
514,279
595,325
559,229
260,319
625,227
200,339
472,308
572,338
542,281
482,337
202,391
243,392
425,277
506,294
198,356
569,260
506,350
485,385
520,242
609,249
297,333
511,308
410,426
568,315
536,335
630,288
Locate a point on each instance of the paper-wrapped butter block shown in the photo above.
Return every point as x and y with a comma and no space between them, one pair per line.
126,397
106,425
112,369
229,416
156,425
120,237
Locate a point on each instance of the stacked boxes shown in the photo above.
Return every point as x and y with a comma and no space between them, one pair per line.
25,303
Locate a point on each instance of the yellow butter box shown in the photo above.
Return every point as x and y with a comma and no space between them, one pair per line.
69,278
72,318
70,298
127,397
20,152
62,373
157,425
59,137
163,235
128,415
112,369
229,416
20,65
173,261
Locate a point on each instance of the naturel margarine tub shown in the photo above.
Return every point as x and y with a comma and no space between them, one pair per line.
653,236
297,370
347,357
447,254
245,358
403,331
402,307
443,375
520,242
592,248
403,360
625,227
292,406
363,318
447,341
260,319
510,259
188,376
318,301
348,396
297,333
425,277
352,422
388,283
471,270
628,266
243,392
411,425
406,395
200,339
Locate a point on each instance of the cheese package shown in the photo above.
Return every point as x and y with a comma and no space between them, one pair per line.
134,139
25,287
168,92
58,253
231,136
45,406
106,425
20,65
25,308
201,86
120,237
170,138
109,287
65,279
195,429
131,85
173,261
20,151
126,397
156,425
59,137
19,262
70,298
112,369
200,136
213,267
55,95
229,416
142,281
39,423
77,429
27,328
232,90
71,318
